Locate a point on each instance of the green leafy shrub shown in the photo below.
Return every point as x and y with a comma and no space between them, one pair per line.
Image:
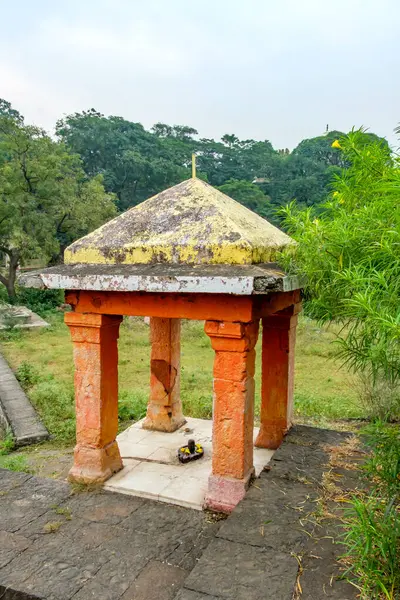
40,301
379,396
27,375
350,254
383,467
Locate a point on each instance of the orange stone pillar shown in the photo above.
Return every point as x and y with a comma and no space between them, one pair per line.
95,337
277,377
233,412
164,411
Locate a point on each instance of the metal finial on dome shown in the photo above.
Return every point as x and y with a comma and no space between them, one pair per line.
193,165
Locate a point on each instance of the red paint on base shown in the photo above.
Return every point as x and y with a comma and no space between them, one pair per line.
224,493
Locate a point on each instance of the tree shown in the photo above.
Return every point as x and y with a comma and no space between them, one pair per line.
350,253
319,150
249,195
6,110
46,200
234,159
134,163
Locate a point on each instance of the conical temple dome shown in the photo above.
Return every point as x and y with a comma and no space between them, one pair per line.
190,223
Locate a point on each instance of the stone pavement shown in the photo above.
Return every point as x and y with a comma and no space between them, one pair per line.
277,544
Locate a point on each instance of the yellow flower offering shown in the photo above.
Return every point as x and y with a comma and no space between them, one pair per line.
336,144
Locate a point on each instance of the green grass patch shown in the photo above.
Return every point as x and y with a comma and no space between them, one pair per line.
132,405
15,462
7,443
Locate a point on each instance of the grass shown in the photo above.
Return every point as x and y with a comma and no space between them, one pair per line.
15,462
373,547
6,442
42,360
372,521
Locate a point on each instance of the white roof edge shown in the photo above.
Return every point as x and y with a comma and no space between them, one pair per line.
240,286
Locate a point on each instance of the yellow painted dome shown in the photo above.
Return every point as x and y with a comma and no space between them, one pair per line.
190,223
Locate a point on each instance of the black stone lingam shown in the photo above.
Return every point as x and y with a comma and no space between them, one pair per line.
190,452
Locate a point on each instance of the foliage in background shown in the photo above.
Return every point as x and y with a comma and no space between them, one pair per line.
136,163
40,301
46,199
350,254
373,521
54,400
250,195
379,396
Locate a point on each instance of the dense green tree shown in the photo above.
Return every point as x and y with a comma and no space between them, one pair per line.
176,145
307,173
299,177
234,159
6,110
133,162
319,150
46,200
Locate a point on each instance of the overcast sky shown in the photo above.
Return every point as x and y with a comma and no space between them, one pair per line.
265,69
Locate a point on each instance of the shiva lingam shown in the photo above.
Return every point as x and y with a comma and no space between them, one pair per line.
190,452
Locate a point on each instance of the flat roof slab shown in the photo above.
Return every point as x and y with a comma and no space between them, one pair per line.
241,280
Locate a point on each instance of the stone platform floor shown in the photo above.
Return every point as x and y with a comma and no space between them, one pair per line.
152,469
60,543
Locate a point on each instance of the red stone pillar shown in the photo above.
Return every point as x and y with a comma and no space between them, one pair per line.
95,337
164,411
233,412
277,377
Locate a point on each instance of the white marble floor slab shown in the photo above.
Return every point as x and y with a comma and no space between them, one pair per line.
152,469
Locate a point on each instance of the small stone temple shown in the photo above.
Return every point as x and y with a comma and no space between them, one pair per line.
189,252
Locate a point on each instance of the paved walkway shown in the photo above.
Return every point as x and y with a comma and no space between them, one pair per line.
278,544
16,412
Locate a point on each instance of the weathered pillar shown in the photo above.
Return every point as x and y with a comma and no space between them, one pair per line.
164,411
277,376
95,337
233,412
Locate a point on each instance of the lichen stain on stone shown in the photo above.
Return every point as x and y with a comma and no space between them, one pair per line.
190,223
